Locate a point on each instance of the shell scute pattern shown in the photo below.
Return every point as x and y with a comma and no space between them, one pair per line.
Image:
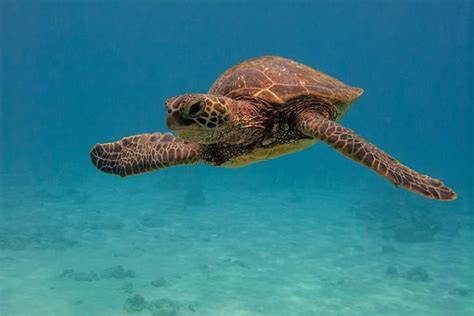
277,80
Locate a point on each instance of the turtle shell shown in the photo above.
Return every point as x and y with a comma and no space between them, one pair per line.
277,80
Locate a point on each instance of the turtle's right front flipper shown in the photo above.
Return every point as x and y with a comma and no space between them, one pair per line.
358,149
144,153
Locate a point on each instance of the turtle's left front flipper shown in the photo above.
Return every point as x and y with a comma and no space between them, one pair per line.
144,153
358,149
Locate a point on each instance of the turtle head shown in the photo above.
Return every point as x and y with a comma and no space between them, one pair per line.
201,118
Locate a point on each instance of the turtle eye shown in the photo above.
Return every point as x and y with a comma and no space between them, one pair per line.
195,109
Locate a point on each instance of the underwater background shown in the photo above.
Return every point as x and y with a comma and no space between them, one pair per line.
311,233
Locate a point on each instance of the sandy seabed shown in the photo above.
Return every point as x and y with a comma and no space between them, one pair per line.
124,251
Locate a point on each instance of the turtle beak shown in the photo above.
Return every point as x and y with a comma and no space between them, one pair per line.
173,117
174,120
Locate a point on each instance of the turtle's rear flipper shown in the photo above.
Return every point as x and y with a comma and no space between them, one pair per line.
355,147
144,153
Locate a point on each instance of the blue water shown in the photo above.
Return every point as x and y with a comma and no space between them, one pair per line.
311,233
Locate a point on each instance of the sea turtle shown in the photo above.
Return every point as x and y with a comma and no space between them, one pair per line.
260,109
